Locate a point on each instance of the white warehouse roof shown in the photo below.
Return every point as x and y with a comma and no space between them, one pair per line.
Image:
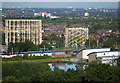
85,52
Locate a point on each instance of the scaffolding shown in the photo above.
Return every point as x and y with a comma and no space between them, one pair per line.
18,30
75,37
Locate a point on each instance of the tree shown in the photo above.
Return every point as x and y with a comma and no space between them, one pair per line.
3,39
22,46
118,62
10,46
101,72
91,43
46,45
25,56
109,43
10,79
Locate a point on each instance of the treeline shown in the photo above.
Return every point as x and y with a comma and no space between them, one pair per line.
105,41
22,71
105,26
22,46
94,72
26,46
62,19
59,40
36,72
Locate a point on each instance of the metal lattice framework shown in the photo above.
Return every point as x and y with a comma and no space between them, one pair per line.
17,30
75,36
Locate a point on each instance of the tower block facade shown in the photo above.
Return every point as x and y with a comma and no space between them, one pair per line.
18,30
75,37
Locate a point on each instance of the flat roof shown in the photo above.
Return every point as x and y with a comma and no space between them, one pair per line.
23,19
92,48
102,52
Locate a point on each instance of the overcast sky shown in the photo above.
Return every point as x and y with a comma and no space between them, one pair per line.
60,4
60,0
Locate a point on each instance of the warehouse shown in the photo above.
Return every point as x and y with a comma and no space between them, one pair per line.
83,53
104,57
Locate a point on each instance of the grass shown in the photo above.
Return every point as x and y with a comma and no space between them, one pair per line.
39,60
62,49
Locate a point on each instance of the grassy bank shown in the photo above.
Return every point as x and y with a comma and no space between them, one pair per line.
27,58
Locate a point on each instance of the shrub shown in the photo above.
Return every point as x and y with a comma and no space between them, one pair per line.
25,56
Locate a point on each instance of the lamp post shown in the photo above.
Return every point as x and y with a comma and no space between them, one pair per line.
89,43
12,50
44,48
97,43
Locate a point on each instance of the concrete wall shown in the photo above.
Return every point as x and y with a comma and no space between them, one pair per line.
61,54
6,56
42,54
3,48
92,57
79,55
37,54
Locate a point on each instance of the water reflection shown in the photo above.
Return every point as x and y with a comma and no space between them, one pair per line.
72,60
65,66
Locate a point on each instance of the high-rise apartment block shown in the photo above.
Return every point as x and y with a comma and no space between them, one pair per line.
18,30
75,37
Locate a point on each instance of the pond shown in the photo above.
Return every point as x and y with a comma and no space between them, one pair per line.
65,66
72,60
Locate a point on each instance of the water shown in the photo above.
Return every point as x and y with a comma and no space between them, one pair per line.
63,66
66,66
72,60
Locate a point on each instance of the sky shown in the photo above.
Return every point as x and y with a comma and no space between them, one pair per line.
60,4
60,0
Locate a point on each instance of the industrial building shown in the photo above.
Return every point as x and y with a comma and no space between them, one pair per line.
3,48
75,37
83,54
18,30
43,14
104,57
86,14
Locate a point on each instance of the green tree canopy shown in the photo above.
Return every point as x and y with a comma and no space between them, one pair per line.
46,45
22,46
